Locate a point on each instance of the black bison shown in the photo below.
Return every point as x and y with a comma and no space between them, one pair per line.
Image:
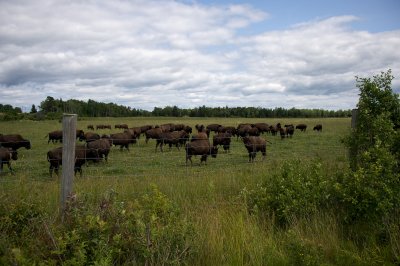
255,144
14,141
90,127
223,139
102,146
82,155
200,147
6,155
176,138
123,139
318,127
302,127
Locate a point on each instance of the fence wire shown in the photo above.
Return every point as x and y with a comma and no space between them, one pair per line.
143,159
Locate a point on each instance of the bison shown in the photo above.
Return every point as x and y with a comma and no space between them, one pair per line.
123,139
57,135
262,127
82,155
91,136
223,139
153,133
6,155
302,127
200,147
102,146
318,127
14,141
255,144
176,138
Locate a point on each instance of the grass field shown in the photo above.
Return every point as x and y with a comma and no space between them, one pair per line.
207,195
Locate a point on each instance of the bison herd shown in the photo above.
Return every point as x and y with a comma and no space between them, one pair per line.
195,143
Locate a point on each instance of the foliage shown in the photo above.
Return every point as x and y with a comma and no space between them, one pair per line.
372,191
297,190
149,230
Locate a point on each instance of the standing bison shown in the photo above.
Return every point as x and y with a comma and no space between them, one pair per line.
302,127
253,145
6,155
14,141
123,139
102,146
318,127
82,155
200,147
176,138
223,139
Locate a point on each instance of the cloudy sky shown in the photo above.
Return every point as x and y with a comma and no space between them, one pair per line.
148,53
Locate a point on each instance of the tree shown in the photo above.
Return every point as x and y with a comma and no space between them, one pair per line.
371,192
33,109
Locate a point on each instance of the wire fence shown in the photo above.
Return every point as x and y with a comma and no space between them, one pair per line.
144,159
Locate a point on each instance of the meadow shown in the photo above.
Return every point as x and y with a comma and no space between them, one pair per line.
209,198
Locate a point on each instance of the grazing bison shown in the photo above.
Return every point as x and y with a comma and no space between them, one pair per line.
200,147
91,136
318,127
223,139
102,146
123,139
14,141
176,138
255,144
302,127
6,155
82,155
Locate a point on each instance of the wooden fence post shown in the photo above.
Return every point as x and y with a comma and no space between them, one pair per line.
68,158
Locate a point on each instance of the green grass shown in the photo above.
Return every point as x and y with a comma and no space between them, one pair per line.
208,195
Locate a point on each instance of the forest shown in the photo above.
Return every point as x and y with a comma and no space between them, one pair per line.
52,108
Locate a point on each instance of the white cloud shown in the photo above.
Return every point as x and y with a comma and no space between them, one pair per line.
157,53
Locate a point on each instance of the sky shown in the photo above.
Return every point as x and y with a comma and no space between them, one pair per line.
190,53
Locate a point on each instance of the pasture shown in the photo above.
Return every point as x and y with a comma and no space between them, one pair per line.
207,195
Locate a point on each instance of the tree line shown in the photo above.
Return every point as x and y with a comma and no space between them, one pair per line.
52,108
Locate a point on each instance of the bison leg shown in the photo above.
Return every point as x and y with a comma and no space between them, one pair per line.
203,158
189,157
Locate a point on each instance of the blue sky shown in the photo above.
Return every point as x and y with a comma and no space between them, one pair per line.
155,53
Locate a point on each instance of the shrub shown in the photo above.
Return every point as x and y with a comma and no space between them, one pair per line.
297,190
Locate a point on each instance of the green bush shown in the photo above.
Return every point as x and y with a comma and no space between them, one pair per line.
297,190
149,230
